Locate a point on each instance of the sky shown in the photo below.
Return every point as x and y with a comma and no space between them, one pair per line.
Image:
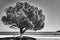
51,10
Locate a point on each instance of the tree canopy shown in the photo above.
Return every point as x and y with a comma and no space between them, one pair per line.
24,16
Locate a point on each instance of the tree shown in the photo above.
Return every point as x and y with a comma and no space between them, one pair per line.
24,16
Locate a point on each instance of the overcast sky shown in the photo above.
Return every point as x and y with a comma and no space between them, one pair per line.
51,9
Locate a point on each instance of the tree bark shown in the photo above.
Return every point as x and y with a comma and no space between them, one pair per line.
21,32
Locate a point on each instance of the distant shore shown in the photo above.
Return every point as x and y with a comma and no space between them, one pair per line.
30,33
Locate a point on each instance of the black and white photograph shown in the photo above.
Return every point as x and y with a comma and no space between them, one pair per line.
29,19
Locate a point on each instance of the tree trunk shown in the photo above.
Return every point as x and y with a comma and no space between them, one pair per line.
21,33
